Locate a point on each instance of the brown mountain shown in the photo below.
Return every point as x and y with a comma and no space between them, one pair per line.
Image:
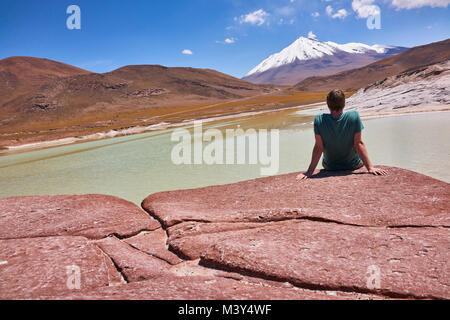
126,89
39,95
189,82
20,75
361,77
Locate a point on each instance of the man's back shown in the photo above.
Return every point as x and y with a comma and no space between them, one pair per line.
338,139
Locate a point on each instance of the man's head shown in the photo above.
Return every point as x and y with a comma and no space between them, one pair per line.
336,100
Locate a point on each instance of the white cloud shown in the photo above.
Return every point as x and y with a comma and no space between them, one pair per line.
340,14
365,8
257,17
411,4
187,51
227,41
315,14
311,35
329,10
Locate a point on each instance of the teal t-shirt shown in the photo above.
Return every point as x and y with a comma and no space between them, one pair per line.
338,137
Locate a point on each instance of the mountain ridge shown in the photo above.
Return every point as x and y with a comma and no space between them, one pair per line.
308,57
360,77
20,75
41,97
416,89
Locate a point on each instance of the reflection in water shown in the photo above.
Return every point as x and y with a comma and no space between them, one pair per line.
135,166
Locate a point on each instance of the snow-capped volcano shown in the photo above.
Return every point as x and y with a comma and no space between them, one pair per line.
316,57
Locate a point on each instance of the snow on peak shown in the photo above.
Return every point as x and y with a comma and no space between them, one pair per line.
310,48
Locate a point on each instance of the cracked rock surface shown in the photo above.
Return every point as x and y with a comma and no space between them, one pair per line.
411,262
207,288
154,243
92,216
133,264
30,268
340,236
403,198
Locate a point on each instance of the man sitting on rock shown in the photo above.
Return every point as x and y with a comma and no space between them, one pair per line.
338,137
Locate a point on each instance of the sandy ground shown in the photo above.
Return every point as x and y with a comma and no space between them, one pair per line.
309,109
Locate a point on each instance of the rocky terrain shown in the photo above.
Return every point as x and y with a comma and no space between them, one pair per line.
418,89
341,236
359,78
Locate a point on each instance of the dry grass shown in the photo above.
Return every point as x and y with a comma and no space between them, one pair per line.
85,124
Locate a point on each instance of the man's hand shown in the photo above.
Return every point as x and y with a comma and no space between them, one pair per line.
377,171
304,176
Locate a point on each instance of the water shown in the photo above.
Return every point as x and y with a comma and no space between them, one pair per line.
135,166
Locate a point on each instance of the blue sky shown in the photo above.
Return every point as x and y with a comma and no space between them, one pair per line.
231,36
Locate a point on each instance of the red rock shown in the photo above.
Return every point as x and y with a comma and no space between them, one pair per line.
206,288
191,239
154,243
402,198
256,240
413,262
31,268
91,216
134,265
186,229
192,268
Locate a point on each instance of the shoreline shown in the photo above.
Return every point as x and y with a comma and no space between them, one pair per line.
40,145
27,147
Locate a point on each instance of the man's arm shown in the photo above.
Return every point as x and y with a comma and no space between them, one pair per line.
361,149
316,154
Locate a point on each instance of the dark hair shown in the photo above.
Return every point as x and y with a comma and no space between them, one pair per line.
336,100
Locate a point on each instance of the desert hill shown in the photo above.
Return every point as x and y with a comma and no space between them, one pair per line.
361,77
20,75
70,92
40,98
418,89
